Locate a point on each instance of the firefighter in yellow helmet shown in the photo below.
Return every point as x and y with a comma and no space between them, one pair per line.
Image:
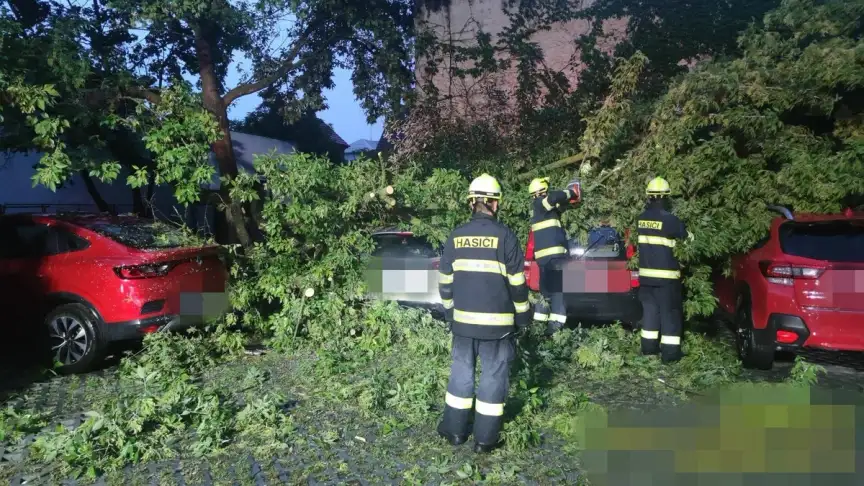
482,286
660,275
550,247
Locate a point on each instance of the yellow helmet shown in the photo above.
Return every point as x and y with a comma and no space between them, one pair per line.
658,187
538,185
484,186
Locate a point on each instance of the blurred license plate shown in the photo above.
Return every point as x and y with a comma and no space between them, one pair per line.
207,304
405,281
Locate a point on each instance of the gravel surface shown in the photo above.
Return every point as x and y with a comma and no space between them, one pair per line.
357,454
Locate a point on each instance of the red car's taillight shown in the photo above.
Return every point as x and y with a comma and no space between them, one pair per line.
144,271
634,279
786,274
786,337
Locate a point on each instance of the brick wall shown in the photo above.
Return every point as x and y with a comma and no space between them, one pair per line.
460,20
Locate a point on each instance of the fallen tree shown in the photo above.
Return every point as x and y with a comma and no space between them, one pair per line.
782,124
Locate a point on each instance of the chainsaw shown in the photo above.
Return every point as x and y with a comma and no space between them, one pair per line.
576,186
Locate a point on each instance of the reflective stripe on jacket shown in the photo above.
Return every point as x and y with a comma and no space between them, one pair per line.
550,240
482,278
659,231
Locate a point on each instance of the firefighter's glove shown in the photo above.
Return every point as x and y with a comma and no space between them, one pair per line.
575,188
522,319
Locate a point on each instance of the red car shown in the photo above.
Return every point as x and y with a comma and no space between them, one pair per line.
85,282
598,286
802,286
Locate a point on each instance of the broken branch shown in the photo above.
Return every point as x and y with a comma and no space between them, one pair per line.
554,165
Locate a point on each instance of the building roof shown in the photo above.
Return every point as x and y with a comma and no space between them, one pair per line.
362,145
246,147
334,137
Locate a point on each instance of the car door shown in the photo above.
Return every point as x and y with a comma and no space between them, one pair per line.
25,260
8,245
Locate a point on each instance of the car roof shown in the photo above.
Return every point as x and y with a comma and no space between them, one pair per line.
816,218
78,219
392,231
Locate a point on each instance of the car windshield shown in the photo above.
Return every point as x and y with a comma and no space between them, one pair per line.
403,246
832,241
142,235
603,242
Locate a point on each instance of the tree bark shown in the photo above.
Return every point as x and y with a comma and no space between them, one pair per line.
137,202
103,206
222,149
553,166
148,198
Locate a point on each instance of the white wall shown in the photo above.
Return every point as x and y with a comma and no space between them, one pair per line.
16,189
16,186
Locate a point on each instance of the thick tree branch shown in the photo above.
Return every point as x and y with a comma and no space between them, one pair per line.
29,13
144,93
99,97
103,206
287,65
553,166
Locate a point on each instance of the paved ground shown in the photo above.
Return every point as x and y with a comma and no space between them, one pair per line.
356,455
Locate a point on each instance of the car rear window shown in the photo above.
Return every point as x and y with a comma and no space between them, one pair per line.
602,244
395,245
833,241
142,235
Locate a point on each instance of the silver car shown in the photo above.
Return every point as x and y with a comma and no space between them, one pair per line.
404,268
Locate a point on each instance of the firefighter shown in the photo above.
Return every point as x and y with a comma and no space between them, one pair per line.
660,274
482,286
550,248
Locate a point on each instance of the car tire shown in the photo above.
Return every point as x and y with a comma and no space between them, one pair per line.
635,325
73,343
752,351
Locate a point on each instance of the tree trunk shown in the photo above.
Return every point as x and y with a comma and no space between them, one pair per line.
222,149
94,193
137,202
148,208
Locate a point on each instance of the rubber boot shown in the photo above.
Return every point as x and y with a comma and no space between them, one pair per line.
453,439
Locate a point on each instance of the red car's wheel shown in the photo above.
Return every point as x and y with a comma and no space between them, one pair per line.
752,352
73,338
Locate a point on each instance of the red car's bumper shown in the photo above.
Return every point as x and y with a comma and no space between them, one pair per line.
176,301
818,328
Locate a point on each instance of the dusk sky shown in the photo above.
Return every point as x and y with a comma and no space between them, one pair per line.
344,113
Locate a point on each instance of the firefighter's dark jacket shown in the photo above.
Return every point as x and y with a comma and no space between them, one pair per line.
658,231
550,240
482,279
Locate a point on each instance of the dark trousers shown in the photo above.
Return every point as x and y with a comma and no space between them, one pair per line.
495,359
554,313
661,320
